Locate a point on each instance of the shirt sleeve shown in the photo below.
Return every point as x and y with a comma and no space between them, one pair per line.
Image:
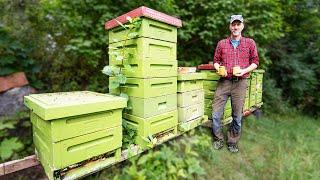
254,57
218,54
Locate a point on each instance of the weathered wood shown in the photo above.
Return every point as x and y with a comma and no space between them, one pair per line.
17,165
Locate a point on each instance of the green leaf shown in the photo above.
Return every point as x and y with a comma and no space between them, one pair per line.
8,146
124,95
114,84
121,78
107,70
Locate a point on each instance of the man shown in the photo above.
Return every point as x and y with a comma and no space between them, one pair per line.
231,52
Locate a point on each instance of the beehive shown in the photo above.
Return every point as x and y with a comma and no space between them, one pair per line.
70,127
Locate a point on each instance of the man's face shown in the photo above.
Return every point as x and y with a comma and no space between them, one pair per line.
236,27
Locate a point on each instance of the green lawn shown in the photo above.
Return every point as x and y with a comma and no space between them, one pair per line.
273,147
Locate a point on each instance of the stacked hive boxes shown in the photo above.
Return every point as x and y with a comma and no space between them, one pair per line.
152,79
71,127
210,85
190,100
256,87
247,99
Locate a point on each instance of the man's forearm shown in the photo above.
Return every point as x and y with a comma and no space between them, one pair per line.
250,68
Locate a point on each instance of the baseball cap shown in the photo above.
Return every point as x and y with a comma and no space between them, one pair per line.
236,17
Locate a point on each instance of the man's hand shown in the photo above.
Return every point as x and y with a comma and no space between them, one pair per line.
241,72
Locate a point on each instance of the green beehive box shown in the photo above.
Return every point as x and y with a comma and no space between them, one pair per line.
227,113
224,121
190,81
72,126
144,49
147,68
191,97
209,94
208,103
163,123
210,85
191,76
50,106
211,75
58,155
184,86
190,112
148,107
188,125
146,88
149,28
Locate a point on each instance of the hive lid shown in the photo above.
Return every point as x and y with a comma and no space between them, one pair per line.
144,12
191,76
64,104
258,71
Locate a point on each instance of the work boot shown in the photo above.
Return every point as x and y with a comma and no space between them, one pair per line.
233,148
218,144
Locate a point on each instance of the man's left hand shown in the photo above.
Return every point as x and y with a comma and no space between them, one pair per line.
241,73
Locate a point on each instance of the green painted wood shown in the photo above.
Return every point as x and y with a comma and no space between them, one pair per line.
58,155
146,88
208,103
69,127
191,76
209,94
188,125
150,126
148,107
64,104
227,113
190,85
144,49
149,28
224,121
211,75
210,85
191,97
147,68
190,112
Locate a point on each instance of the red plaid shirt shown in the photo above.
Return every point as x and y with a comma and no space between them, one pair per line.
244,55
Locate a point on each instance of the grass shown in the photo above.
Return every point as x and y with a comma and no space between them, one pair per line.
273,147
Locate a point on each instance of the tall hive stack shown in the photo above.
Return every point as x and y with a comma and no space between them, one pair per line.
210,85
71,127
152,79
256,82
190,100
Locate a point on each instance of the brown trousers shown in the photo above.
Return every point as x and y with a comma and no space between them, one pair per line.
236,90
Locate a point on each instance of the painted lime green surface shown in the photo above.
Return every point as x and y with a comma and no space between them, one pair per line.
191,76
188,125
224,121
147,107
145,49
190,85
211,75
227,113
191,97
69,127
256,83
190,112
146,88
64,104
153,125
209,94
149,28
147,68
208,103
210,85
58,155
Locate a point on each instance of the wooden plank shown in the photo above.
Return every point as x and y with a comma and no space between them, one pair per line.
17,165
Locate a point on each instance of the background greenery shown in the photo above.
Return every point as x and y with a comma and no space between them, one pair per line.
62,46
